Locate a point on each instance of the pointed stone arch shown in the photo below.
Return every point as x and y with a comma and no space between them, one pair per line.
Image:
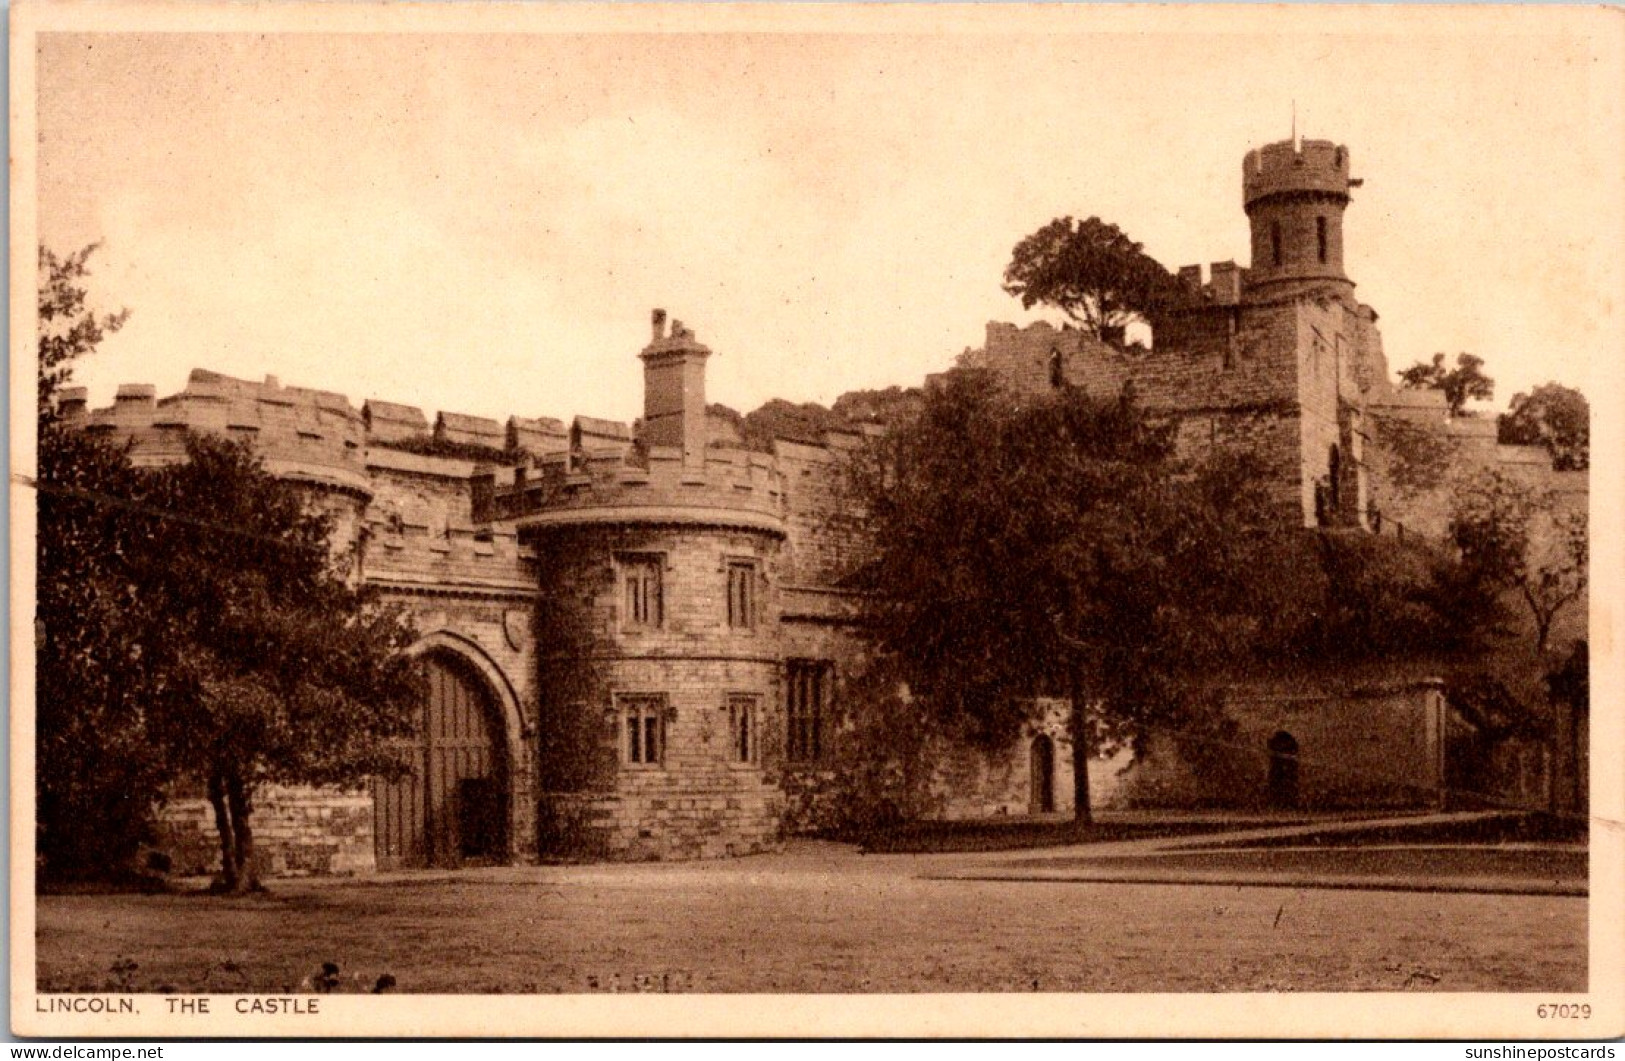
475,656
412,816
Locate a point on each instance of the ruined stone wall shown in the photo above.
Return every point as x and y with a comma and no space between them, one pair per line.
1231,383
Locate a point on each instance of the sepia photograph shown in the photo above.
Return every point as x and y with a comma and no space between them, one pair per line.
815,520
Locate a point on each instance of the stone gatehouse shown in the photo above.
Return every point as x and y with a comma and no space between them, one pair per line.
637,635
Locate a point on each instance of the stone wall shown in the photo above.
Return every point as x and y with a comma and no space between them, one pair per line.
298,832
1370,746
1230,380
968,782
824,541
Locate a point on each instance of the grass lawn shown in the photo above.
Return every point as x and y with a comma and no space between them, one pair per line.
1505,828
1016,834
818,918
1414,862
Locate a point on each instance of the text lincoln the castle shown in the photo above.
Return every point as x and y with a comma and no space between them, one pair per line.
637,635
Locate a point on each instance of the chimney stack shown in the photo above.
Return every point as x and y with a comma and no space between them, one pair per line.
674,391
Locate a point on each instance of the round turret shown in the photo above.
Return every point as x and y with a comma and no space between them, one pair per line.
1295,194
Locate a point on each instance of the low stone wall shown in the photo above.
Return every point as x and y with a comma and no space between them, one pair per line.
1370,747
298,832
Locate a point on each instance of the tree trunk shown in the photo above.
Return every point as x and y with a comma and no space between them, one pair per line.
243,832
222,825
1079,721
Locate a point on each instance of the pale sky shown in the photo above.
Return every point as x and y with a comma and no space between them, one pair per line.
481,223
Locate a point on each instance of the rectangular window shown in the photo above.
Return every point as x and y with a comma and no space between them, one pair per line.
742,722
742,594
641,600
1320,237
643,724
1275,243
806,703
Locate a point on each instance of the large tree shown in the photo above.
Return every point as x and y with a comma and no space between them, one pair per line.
193,623
1089,270
1460,384
101,659
1024,550
289,673
98,665
1058,546
1553,416
1515,537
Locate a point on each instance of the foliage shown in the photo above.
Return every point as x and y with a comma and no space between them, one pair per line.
883,765
1459,384
430,446
1511,537
192,623
1360,597
1048,549
68,328
571,751
882,407
1495,710
1089,270
1553,416
1055,546
806,422
285,672
97,665
1570,681
1418,458
101,660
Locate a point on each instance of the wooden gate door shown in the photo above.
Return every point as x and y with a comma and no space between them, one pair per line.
453,806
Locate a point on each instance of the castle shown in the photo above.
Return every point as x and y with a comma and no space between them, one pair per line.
638,637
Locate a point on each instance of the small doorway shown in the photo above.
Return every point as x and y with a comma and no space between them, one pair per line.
1283,777
1041,771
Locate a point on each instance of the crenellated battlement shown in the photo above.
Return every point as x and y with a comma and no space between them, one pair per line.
307,435
1225,285
1317,167
641,483
311,434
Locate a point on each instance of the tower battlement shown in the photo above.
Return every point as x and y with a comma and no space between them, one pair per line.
1314,167
1295,194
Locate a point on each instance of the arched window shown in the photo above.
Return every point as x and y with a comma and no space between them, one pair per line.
1057,369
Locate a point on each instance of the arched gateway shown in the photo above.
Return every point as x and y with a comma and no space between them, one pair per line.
454,805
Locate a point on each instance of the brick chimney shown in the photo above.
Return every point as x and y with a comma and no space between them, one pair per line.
674,390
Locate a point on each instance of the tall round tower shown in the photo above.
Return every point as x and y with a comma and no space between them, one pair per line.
1295,194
